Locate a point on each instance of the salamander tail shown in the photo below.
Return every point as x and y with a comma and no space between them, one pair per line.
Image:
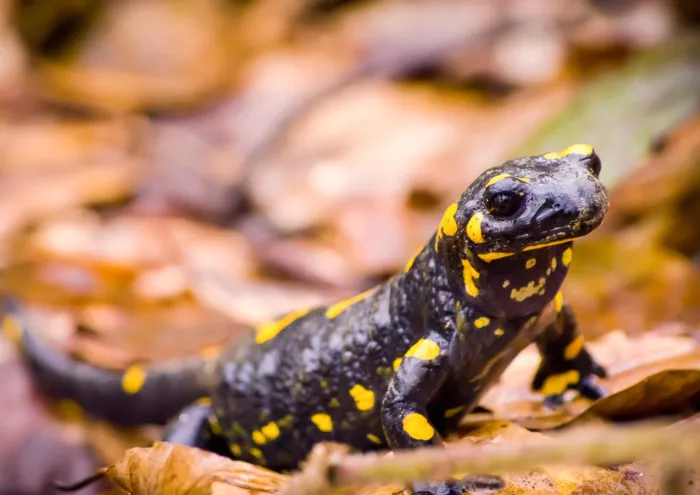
138,395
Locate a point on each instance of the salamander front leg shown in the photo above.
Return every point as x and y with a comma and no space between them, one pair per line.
404,409
566,363
196,427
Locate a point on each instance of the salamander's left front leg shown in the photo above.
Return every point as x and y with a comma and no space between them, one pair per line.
566,364
196,426
404,409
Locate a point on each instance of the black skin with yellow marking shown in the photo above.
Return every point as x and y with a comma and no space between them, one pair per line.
397,367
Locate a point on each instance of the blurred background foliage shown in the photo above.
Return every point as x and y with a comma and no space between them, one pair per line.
172,171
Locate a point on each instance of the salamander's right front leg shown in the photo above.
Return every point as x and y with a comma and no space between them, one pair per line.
406,425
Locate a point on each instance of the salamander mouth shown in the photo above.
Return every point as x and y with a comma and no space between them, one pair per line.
527,242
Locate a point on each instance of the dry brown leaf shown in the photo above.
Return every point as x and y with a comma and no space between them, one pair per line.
123,66
650,374
176,469
555,480
127,260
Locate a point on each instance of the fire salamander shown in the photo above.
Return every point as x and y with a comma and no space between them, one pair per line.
397,366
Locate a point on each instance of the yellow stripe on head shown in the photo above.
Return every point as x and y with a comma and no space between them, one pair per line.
574,149
496,178
578,149
488,257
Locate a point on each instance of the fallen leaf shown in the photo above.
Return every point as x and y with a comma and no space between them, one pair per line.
649,375
122,66
176,469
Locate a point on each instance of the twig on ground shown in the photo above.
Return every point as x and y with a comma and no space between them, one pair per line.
585,446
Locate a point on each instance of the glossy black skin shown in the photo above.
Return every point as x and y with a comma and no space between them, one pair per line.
312,364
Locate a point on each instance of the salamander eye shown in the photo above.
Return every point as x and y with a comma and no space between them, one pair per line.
504,204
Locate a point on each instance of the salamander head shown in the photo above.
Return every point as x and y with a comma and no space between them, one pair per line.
518,216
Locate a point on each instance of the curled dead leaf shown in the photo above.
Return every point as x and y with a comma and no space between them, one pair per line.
176,469
650,374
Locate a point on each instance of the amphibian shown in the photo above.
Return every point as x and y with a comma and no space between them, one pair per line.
397,366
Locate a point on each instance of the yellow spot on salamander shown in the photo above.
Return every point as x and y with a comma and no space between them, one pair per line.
448,224
417,427
573,349
69,410
374,439
364,398
474,228
235,450
470,276
257,453
498,332
489,257
574,149
267,331
323,422
554,264
496,178
453,412
481,322
133,380
424,350
500,177
557,384
204,401
396,363
334,402
271,431
338,308
215,426
412,260
578,149
558,301
506,283
259,438
12,329
530,263
528,290
286,421
567,256
547,244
